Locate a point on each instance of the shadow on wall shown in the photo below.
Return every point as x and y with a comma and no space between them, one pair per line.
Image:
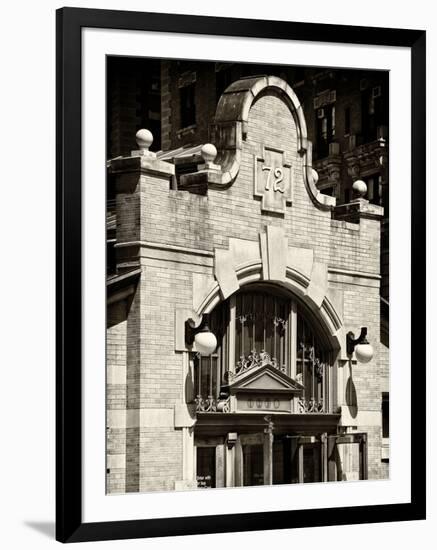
189,387
351,397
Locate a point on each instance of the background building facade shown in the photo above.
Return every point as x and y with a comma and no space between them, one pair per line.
285,260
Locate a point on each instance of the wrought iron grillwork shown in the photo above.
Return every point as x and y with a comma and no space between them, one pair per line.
312,370
261,330
210,404
207,383
208,370
257,328
255,359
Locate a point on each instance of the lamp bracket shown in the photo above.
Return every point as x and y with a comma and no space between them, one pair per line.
191,329
351,341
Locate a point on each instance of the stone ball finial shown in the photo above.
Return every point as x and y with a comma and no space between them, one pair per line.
144,139
209,153
360,187
315,176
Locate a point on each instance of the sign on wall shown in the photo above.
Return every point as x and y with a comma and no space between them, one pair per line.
273,180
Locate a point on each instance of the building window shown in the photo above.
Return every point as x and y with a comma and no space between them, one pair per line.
385,410
347,121
373,113
223,78
262,325
312,368
325,129
209,374
188,105
374,191
259,326
385,421
253,466
328,191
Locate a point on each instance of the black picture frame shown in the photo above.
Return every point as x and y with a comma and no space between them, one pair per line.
69,525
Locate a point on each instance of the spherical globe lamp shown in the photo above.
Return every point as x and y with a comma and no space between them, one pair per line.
205,342
364,352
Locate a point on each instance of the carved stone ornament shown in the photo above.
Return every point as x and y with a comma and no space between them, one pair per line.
273,180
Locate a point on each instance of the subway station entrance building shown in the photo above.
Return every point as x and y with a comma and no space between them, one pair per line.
237,232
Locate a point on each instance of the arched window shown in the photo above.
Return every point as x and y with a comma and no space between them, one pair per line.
262,324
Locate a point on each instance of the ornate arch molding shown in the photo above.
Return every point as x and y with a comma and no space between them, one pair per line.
298,273
230,127
327,314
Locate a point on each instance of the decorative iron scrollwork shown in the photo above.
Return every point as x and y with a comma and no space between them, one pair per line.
310,405
255,359
229,376
278,322
224,405
319,366
256,316
210,404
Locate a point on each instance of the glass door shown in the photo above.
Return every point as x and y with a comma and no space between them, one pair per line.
253,465
303,459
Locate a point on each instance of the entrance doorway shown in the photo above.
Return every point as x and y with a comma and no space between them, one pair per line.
264,459
297,459
294,459
253,465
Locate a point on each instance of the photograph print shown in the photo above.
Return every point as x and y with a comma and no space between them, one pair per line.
247,275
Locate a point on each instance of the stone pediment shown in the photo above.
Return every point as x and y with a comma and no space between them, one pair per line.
265,378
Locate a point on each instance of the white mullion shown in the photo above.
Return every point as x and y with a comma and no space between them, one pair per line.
231,331
292,331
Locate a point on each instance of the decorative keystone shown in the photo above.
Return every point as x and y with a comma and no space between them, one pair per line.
209,154
360,188
144,139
